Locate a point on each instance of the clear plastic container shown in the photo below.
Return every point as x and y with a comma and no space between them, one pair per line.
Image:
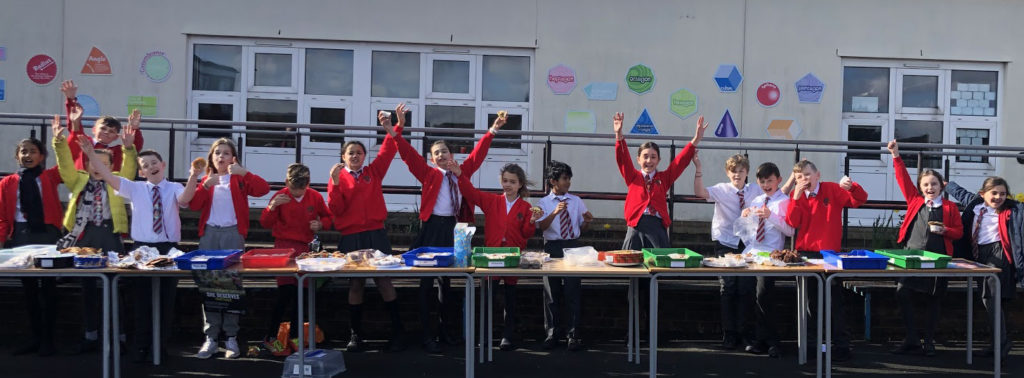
581,256
318,363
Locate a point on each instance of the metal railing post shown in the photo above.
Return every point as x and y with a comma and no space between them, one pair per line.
298,147
671,196
170,152
846,210
945,175
547,160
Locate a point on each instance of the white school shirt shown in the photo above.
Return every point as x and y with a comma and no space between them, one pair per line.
775,228
989,230
575,208
140,195
508,205
222,207
727,210
444,206
18,215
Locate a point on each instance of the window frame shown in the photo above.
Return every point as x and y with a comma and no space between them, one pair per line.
250,69
427,76
941,88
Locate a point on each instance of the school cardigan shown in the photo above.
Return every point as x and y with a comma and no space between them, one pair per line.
290,221
76,180
513,227
1011,227
76,150
52,211
637,196
950,213
431,177
358,205
242,187
819,220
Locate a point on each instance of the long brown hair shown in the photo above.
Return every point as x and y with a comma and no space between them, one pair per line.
513,168
212,168
991,183
930,172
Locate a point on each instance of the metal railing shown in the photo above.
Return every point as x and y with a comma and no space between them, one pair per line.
549,140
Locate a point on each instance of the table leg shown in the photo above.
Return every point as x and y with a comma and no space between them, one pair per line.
155,304
827,346
970,320
801,320
301,346
652,339
312,315
997,343
106,325
490,321
116,327
483,317
468,325
630,299
636,315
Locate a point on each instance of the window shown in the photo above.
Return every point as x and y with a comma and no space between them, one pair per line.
395,74
329,72
506,78
920,91
270,110
972,137
973,93
274,69
390,108
216,67
865,133
215,112
866,89
452,76
918,131
332,116
452,117
514,123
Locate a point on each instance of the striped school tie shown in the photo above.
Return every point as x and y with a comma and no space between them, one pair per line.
158,212
760,229
743,202
453,189
566,228
977,229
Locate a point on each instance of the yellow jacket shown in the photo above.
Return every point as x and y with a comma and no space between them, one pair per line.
76,179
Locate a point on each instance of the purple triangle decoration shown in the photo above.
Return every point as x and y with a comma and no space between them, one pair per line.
726,127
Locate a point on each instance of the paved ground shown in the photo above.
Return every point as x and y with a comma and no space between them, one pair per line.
600,360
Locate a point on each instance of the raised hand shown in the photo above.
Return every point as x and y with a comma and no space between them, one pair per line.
197,168
617,124
87,148
699,133
501,120
129,130
237,169
384,118
400,113
336,171
894,148
696,162
454,167
846,183
56,126
69,89
75,117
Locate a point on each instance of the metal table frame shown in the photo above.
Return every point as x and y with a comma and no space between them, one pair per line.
800,276
155,276
970,274
391,273
80,273
633,274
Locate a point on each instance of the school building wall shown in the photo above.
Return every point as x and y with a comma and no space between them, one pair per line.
682,41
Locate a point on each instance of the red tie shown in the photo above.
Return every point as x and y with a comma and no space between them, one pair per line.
743,202
648,185
760,228
566,228
356,174
977,229
158,212
453,189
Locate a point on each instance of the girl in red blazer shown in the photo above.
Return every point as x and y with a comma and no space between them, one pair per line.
646,209
442,206
931,224
31,213
222,200
356,200
509,223
294,214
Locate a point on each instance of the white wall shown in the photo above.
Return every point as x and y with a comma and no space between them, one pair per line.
683,42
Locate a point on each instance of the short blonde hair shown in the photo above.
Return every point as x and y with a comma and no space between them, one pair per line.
800,165
737,161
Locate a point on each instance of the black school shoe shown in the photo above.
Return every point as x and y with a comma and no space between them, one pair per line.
431,346
550,342
506,344
397,344
575,344
756,348
775,352
906,347
355,344
929,349
730,342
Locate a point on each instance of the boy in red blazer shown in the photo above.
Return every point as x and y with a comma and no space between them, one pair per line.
105,131
816,211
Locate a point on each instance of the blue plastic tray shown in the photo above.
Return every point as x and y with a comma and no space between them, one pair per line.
438,261
839,259
215,260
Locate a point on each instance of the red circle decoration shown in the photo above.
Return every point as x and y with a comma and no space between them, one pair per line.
41,69
768,94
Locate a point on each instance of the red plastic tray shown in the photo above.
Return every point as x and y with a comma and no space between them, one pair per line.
268,258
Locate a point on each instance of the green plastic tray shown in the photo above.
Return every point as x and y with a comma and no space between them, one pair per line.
915,258
658,257
481,261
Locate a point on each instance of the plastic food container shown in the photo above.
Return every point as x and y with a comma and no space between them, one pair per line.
855,259
14,259
54,260
91,262
665,257
208,260
581,256
37,249
318,363
268,258
440,257
321,264
915,258
481,260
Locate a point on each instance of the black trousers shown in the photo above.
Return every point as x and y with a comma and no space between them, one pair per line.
100,237
40,293
437,231
558,290
737,300
767,329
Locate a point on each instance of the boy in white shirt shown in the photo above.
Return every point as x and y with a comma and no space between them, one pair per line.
730,198
769,209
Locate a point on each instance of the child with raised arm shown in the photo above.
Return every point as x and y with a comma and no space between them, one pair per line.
997,239
509,223
222,200
105,131
443,204
646,208
356,200
31,213
931,224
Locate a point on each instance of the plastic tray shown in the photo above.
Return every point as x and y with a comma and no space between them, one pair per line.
7,254
658,257
481,261
268,258
208,260
411,258
53,261
911,258
321,264
318,363
842,260
91,262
